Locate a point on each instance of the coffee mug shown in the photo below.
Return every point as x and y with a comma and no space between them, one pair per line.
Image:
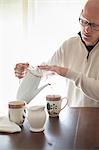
17,112
54,104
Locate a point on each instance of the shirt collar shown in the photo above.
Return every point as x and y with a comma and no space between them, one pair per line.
90,47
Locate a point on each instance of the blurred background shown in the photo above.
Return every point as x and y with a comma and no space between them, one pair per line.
30,31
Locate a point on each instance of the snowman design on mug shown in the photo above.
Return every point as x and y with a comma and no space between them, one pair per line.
52,109
54,104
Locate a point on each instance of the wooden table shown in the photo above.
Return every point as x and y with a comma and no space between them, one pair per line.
76,128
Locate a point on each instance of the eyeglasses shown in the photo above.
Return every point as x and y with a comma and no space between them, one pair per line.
85,22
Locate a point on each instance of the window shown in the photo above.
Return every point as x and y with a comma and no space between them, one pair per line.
30,31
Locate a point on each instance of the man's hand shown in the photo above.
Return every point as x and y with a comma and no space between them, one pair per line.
21,69
59,70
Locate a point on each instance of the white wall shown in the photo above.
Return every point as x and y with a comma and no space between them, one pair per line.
31,33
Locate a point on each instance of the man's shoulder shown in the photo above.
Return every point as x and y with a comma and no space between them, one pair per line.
72,40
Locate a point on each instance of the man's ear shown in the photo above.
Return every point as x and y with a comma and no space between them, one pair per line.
81,12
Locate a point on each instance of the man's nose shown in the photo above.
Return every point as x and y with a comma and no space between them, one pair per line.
87,28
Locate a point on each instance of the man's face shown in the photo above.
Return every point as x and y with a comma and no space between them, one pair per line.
89,27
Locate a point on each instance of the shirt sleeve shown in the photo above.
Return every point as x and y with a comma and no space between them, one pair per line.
89,86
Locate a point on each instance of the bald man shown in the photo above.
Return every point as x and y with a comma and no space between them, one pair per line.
77,60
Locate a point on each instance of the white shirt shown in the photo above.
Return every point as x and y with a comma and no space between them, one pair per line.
82,79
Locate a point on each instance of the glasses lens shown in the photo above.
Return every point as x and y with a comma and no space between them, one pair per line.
95,27
83,22
86,23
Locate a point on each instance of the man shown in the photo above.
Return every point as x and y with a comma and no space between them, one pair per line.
77,60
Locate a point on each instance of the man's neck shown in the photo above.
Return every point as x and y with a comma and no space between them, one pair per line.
87,44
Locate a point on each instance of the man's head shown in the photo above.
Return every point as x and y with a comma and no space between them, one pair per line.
89,20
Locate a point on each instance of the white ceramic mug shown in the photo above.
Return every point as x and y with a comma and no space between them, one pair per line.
17,112
54,105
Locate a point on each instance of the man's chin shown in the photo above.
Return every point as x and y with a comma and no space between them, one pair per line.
86,40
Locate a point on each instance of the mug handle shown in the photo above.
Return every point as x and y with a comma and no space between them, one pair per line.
65,104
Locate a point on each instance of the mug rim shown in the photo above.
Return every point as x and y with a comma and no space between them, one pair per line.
16,104
53,97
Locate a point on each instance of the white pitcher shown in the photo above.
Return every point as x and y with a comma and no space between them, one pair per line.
36,118
28,88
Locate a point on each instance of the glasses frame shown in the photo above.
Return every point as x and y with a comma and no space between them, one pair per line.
84,22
